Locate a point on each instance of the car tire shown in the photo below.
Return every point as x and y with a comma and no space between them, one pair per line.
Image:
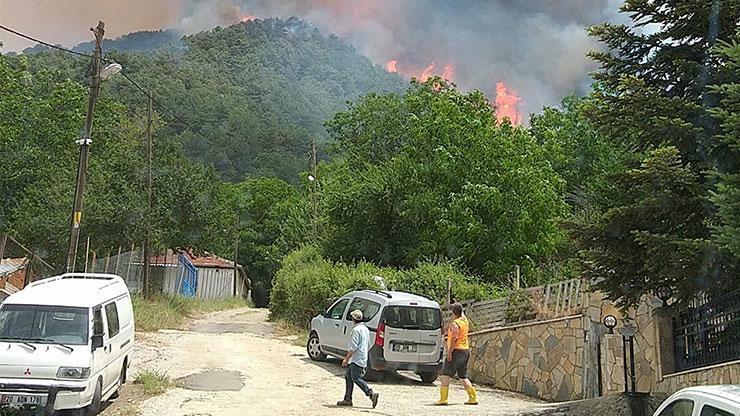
313,348
374,375
94,408
428,377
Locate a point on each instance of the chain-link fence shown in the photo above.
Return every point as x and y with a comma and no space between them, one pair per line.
125,262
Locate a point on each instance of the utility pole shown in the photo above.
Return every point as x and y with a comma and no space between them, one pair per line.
314,185
236,256
147,219
74,229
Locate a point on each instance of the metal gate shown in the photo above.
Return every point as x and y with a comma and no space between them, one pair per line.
187,280
708,332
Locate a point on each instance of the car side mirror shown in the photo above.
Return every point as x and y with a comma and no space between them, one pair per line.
97,342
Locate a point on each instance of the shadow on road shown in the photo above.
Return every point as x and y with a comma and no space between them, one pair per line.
334,367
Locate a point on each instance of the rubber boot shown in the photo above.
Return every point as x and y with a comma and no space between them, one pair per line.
472,396
443,393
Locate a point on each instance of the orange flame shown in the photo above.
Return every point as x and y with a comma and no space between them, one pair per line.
248,17
424,76
391,66
449,72
507,101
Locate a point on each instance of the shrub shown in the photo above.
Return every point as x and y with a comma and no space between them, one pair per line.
306,282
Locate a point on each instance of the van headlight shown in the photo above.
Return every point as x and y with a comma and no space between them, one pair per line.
74,373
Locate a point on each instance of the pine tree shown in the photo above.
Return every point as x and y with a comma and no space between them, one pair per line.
727,193
654,96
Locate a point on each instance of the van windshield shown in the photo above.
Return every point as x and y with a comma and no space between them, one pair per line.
44,324
413,317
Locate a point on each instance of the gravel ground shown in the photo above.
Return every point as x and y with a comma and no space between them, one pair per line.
230,363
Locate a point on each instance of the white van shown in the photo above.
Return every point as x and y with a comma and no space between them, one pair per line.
66,342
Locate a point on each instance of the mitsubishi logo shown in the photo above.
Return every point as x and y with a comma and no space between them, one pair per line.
27,372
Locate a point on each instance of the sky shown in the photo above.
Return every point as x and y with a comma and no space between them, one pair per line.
537,48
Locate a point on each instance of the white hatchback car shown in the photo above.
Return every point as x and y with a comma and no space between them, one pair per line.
405,332
703,401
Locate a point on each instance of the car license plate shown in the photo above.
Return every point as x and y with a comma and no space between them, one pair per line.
17,399
404,348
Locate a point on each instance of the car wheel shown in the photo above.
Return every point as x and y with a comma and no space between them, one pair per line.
94,408
313,348
428,377
374,375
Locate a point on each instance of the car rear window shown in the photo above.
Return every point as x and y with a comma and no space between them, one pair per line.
412,317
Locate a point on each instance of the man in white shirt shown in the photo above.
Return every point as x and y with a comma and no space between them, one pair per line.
356,361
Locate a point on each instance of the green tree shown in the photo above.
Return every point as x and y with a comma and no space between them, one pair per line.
652,97
429,175
727,193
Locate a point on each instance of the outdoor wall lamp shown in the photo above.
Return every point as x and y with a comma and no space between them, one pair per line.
610,321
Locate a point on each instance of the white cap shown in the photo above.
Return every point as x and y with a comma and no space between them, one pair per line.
356,314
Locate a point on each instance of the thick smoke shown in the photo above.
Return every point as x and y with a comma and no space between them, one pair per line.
537,47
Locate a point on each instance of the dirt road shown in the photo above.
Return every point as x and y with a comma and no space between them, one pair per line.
232,364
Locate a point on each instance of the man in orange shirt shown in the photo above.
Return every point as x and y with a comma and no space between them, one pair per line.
458,354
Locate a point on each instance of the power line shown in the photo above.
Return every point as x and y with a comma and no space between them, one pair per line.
139,87
15,32
165,109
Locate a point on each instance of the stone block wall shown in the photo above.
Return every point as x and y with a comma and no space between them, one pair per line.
612,364
728,373
542,359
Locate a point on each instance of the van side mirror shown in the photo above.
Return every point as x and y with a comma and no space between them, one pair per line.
97,342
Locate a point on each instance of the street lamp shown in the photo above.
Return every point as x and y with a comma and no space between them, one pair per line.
109,71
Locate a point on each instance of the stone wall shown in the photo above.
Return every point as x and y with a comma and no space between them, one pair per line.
542,359
728,373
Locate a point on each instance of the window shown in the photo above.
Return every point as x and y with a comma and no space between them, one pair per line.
410,317
111,314
44,324
337,310
97,322
682,407
708,410
369,309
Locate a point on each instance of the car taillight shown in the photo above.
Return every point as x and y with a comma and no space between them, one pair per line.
380,335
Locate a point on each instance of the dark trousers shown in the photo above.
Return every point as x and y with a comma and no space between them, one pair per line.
354,376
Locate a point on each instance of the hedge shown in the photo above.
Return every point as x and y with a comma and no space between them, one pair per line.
306,281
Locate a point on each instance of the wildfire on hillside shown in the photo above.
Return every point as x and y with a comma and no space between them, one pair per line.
421,74
248,17
507,103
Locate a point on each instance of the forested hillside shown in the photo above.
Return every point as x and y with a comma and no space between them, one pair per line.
251,95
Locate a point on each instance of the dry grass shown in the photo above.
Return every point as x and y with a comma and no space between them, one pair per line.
297,335
172,312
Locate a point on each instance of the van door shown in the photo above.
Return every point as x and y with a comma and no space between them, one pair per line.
402,327
430,335
100,355
369,310
113,351
331,336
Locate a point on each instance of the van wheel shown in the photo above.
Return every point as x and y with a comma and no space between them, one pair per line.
428,377
313,347
373,375
121,382
94,407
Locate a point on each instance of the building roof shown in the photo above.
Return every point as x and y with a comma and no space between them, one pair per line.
71,291
211,260
12,265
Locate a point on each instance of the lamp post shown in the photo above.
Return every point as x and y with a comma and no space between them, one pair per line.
628,336
98,75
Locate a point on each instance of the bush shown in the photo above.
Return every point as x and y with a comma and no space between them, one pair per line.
306,282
